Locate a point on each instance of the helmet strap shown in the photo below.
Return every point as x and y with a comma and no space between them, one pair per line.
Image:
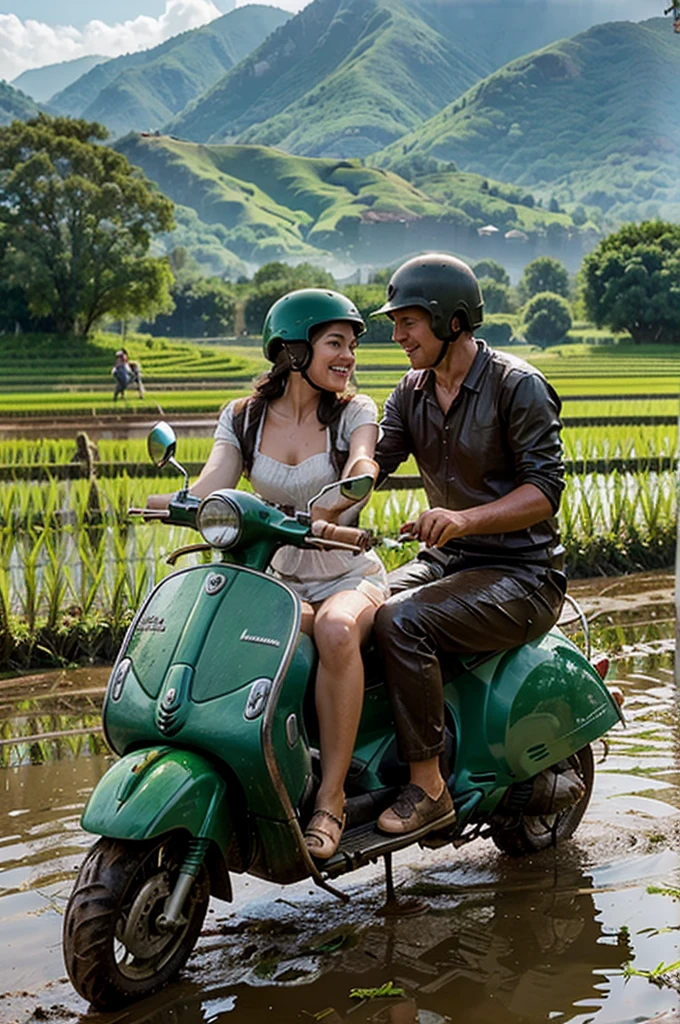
311,383
444,349
298,365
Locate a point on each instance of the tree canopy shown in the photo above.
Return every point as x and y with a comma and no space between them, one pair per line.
76,223
546,319
631,281
544,274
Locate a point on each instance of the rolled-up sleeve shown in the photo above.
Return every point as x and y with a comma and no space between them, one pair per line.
534,426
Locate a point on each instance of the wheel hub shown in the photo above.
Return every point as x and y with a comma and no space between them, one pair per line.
141,936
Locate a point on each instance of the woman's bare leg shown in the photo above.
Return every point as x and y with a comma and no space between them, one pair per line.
341,625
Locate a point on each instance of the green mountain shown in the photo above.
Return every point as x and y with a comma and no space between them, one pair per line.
15,105
594,120
143,90
345,77
43,83
262,204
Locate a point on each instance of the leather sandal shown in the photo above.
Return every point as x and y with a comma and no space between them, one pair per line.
321,843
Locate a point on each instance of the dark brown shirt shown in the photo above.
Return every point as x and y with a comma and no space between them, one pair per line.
501,431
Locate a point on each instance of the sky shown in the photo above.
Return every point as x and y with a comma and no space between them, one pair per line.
38,32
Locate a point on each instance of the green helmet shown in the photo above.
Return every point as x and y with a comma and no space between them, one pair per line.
440,284
293,317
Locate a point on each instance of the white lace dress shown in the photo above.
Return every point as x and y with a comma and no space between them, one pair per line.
313,575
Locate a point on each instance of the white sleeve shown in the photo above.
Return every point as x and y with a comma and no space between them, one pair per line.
359,411
224,430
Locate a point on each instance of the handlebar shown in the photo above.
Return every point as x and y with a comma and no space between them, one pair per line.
150,513
346,536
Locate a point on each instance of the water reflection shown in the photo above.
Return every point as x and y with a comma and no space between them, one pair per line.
513,942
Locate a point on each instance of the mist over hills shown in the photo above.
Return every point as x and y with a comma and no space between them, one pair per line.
143,90
42,83
593,119
345,77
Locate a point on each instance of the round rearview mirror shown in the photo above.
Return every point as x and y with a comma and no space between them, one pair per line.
161,443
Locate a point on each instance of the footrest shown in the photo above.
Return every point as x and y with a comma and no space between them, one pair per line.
364,844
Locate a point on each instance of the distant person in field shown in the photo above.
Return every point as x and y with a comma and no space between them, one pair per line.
675,8
126,372
136,371
121,373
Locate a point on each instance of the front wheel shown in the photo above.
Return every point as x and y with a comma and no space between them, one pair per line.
532,833
114,950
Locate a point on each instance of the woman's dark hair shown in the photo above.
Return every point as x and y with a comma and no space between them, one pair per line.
270,386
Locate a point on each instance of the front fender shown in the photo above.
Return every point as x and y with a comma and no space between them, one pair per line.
156,790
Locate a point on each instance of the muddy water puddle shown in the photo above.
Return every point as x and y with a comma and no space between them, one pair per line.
551,937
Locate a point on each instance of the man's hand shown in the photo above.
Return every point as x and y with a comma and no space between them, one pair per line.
437,526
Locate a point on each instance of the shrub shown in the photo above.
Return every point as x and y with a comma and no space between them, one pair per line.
546,319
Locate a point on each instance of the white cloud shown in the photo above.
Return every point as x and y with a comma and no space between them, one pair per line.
32,44
286,5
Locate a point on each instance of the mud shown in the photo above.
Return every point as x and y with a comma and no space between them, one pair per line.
551,937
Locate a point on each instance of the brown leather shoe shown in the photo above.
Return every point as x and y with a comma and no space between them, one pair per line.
413,809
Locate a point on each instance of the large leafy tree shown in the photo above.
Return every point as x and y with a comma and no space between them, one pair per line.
631,281
77,221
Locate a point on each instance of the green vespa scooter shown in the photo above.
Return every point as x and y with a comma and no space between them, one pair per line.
209,707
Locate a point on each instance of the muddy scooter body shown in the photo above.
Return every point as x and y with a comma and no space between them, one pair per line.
210,709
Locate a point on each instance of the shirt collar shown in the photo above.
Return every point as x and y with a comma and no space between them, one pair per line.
426,378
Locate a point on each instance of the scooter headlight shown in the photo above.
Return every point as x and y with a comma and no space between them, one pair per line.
219,521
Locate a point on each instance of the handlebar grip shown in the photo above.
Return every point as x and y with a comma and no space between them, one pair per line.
342,534
149,513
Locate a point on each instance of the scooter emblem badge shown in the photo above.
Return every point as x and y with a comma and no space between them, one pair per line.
214,583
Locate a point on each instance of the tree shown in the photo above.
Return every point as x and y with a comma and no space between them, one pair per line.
544,274
77,221
275,279
631,281
490,268
204,307
497,297
546,319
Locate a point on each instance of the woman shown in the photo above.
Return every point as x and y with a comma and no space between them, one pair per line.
296,433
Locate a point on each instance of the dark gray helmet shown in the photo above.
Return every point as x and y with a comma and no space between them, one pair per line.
440,284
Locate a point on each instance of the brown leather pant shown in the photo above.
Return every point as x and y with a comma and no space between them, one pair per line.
459,606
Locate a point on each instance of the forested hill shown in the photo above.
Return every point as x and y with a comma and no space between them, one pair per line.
15,105
141,91
42,83
594,119
345,77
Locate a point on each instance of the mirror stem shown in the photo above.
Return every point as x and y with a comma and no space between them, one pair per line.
175,464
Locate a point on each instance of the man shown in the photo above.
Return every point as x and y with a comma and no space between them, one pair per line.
485,430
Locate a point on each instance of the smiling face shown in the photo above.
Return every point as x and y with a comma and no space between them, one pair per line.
333,355
412,329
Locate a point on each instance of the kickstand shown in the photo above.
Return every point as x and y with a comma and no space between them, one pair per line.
394,907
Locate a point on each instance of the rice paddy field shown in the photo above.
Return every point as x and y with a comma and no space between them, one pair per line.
74,566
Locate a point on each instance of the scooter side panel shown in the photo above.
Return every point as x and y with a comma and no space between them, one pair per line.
535,705
521,711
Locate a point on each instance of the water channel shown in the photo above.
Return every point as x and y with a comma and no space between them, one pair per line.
552,937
